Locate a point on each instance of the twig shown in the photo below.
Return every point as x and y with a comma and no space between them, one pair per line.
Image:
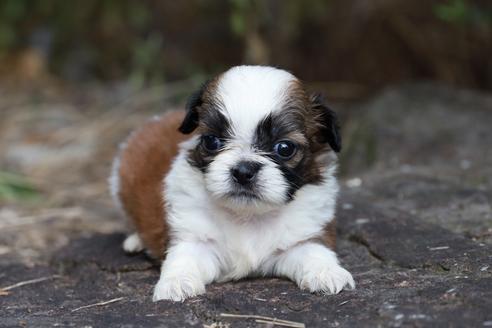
283,324
99,304
29,282
264,319
438,248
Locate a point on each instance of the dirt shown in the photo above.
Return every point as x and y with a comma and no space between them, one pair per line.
414,219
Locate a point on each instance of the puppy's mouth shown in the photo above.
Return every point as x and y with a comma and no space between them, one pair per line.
243,195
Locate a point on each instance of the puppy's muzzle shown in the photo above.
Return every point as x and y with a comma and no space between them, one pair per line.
245,172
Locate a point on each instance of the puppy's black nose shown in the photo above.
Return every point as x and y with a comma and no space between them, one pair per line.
245,172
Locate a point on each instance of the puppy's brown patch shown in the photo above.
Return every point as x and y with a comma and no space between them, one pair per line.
144,162
329,237
314,159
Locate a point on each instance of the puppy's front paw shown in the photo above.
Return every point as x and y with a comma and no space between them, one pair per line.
177,288
328,280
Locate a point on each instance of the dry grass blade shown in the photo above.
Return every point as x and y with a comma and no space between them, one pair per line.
283,324
28,282
264,319
99,304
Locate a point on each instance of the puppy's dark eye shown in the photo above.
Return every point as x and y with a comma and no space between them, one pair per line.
211,143
285,149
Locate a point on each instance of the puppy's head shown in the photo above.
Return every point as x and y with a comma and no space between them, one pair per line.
261,137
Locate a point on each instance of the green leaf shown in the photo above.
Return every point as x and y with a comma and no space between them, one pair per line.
15,187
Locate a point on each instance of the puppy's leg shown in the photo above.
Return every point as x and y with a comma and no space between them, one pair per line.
188,267
313,267
133,244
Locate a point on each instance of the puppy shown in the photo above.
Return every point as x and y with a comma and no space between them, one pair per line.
242,183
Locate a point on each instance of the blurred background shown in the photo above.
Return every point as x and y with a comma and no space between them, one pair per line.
353,46
411,81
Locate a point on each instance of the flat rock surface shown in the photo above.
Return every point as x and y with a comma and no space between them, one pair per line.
414,228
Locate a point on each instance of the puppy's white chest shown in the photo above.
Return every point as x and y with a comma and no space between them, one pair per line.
246,248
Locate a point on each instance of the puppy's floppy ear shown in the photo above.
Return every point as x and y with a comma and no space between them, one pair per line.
328,122
191,119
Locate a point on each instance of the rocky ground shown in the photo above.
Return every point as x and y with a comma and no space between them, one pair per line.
414,218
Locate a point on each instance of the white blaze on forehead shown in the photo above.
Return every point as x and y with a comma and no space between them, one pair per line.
250,93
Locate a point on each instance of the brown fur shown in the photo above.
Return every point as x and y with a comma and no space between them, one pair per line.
298,100
329,238
144,162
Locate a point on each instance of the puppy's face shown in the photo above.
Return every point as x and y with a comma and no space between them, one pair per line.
261,138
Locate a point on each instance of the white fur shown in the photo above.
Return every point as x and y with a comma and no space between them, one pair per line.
270,183
313,267
192,265
114,182
133,244
216,238
247,93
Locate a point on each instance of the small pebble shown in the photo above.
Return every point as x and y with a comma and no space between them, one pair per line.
465,164
347,206
418,316
406,168
354,183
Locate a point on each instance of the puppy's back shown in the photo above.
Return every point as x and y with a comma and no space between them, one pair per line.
144,161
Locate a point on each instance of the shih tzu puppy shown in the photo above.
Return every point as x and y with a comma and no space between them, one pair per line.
241,183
